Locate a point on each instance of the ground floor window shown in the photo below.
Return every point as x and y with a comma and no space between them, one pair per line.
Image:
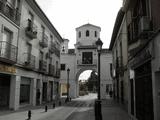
24,93
25,87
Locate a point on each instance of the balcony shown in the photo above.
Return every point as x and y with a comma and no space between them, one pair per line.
54,49
10,12
44,42
31,30
42,66
81,62
8,53
119,66
29,61
57,73
51,70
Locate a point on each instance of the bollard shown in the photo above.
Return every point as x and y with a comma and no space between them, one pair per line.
29,114
60,103
46,108
54,105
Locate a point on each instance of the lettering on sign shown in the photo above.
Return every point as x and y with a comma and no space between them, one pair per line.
4,68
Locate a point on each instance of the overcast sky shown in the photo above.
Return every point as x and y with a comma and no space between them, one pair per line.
66,15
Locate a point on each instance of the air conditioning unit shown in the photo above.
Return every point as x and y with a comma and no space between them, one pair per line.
144,25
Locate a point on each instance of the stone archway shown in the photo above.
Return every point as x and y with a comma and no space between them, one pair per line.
79,71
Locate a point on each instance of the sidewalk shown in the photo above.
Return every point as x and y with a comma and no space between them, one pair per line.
37,111
112,110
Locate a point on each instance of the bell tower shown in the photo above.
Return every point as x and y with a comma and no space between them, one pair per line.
87,34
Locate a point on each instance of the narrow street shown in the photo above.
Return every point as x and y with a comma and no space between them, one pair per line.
78,109
81,108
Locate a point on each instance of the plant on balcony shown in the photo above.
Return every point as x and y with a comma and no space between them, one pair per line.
31,31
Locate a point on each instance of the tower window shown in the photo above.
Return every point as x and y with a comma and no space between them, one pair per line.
79,34
95,33
63,49
63,66
87,33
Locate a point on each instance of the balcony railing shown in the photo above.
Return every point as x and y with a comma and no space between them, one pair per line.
119,65
82,62
31,30
9,11
51,70
8,52
29,60
57,73
42,66
44,42
55,50
52,47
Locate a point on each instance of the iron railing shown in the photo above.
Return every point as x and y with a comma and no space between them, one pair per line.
44,42
9,11
29,60
42,66
8,52
51,70
57,73
54,49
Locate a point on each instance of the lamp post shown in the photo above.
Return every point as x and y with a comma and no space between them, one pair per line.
98,113
67,99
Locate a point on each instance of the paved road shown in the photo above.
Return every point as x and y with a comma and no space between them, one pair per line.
78,109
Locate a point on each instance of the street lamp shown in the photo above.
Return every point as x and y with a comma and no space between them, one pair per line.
67,99
98,113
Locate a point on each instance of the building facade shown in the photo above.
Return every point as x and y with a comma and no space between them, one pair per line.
84,57
141,20
119,48
30,55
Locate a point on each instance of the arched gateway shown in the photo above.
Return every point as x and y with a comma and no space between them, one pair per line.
84,57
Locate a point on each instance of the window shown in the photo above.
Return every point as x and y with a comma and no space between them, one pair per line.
63,66
63,49
31,17
79,34
87,58
43,31
95,33
51,37
87,33
5,44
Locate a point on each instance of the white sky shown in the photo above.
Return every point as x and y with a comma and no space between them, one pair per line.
66,15
85,75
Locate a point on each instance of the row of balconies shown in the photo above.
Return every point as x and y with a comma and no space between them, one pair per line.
31,32
9,11
120,68
8,54
139,27
30,61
